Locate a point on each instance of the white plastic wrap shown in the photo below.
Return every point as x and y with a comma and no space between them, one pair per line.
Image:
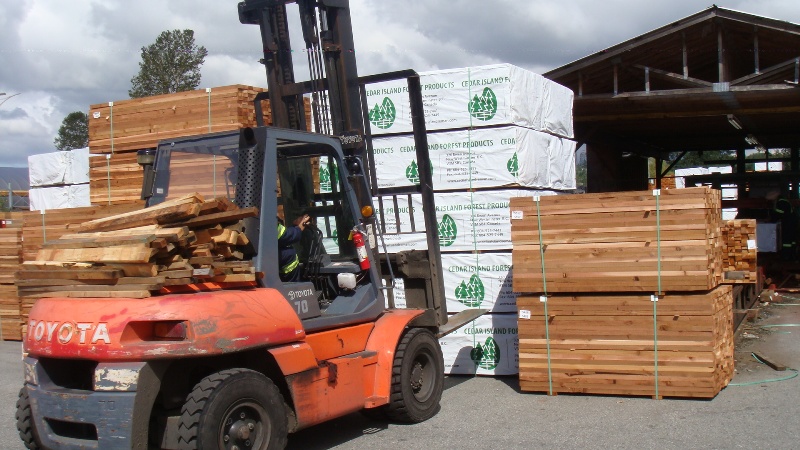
59,168
487,346
78,166
466,221
48,169
59,197
500,94
480,158
473,281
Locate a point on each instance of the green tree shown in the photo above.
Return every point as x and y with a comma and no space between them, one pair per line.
171,64
74,132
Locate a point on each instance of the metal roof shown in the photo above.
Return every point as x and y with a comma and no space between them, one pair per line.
711,81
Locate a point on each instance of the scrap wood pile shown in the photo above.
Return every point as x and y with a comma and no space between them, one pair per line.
164,248
739,262
594,256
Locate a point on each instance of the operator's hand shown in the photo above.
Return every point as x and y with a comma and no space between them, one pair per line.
302,221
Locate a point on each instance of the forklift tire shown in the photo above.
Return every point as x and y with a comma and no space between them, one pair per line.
417,377
234,408
25,425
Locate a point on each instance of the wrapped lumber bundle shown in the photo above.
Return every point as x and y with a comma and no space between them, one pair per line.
180,245
618,242
10,258
739,263
607,344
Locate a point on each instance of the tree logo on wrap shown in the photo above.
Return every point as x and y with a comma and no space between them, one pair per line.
513,165
486,355
327,175
483,107
471,293
383,115
412,172
447,231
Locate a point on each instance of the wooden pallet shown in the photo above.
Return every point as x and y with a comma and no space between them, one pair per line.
605,344
164,248
609,242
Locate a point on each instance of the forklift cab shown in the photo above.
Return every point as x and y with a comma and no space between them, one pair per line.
286,174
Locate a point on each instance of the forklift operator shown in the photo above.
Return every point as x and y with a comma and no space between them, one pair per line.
287,237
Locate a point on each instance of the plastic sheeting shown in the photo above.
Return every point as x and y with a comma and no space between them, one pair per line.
467,221
473,281
470,97
58,197
59,168
479,158
487,346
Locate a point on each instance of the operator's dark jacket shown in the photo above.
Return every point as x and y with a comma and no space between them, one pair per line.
288,256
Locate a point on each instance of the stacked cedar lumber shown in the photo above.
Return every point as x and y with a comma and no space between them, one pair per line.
117,132
10,258
601,254
610,242
739,259
164,248
140,123
604,344
131,125
38,227
50,224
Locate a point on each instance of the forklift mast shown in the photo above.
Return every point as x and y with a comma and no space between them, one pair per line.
328,36
339,108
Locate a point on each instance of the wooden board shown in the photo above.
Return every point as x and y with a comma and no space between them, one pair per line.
607,343
139,260
617,242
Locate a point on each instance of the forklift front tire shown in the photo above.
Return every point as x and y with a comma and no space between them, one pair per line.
25,425
234,408
417,377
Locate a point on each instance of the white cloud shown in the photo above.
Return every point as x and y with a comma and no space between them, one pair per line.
63,56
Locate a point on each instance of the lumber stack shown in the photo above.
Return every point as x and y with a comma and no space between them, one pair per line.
164,248
10,258
38,226
131,125
600,329
610,242
604,344
739,259
117,132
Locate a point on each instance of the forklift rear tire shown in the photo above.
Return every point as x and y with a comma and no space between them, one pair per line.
233,408
417,377
25,425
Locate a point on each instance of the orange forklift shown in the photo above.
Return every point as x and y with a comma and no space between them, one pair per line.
241,368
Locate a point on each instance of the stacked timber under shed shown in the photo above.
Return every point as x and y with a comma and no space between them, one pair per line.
494,132
624,292
183,245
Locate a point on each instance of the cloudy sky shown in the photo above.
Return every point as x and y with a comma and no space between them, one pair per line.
62,56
